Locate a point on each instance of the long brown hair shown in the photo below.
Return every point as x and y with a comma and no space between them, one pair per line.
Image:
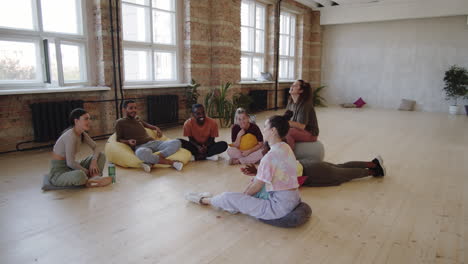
306,91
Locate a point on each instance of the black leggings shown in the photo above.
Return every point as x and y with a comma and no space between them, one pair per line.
213,149
322,173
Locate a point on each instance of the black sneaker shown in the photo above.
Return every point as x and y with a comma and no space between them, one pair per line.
380,169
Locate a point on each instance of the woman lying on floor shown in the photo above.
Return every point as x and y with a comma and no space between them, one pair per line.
277,172
247,140
321,173
65,170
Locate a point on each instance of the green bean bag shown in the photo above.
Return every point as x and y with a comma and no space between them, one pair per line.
122,155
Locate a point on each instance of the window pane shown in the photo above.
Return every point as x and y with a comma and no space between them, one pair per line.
257,67
136,65
164,66
284,24
139,2
18,61
293,26
259,41
245,67
60,16
16,14
260,17
291,70
292,47
248,13
283,69
135,23
163,27
53,63
71,61
168,5
247,39
284,45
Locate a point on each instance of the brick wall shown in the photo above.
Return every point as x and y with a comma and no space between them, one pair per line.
211,57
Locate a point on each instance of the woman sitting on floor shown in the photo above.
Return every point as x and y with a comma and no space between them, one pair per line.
277,172
65,170
304,125
247,140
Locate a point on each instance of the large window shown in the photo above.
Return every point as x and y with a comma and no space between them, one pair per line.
287,48
252,39
151,42
43,43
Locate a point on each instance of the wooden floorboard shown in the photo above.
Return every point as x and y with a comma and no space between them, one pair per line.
418,213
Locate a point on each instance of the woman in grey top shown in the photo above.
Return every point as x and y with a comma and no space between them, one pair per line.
65,170
303,122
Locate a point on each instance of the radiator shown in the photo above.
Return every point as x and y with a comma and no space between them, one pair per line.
163,109
51,118
260,99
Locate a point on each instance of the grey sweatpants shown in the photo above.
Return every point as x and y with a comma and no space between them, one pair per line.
165,148
278,205
61,175
320,173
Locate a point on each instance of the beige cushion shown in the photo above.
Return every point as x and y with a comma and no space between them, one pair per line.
407,105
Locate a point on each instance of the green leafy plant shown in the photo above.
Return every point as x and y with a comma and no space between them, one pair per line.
218,105
456,81
191,95
318,100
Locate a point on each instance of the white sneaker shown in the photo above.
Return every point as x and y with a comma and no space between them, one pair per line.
380,159
178,165
213,158
146,167
197,196
192,158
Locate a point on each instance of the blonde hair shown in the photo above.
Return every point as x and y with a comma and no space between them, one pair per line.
239,111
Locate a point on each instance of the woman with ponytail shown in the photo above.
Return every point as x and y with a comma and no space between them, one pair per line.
300,109
65,170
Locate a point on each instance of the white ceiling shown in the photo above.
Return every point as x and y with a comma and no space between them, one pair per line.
356,11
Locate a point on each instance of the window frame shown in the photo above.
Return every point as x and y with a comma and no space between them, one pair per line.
251,55
153,47
38,35
292,36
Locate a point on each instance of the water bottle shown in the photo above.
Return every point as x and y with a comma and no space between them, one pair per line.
111,168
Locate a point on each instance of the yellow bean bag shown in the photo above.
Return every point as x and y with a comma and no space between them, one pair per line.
300,169
122,155
248,141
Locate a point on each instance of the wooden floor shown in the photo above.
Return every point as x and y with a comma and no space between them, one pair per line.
416,214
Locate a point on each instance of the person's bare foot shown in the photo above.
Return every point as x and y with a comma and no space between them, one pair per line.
234,162
98,181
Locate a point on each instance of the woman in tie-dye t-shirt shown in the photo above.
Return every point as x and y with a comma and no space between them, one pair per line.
277,172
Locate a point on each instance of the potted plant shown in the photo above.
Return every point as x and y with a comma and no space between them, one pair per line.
218,105
456,79
191,96
318,100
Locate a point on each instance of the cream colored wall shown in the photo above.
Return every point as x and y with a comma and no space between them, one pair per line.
383,62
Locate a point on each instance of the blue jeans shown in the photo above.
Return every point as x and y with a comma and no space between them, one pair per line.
165,148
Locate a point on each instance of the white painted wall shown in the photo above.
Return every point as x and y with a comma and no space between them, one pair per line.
351,11
383,62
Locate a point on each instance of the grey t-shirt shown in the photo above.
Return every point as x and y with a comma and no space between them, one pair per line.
69,144
304,112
